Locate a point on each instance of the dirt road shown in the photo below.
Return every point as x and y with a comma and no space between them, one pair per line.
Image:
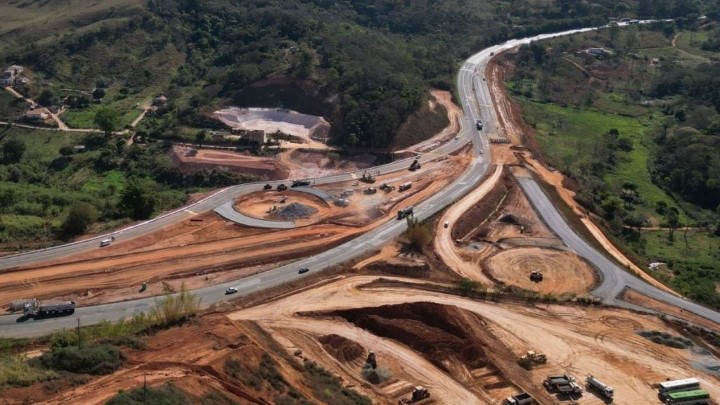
443,243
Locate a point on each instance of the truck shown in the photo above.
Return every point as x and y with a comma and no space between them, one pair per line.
387,187
563,384
419,393
695,397
405,212
519,399
604,389
37,309
370,190
686,384
367,177
342,202
281,187
415,165
405,186
479,125
300,183
347,193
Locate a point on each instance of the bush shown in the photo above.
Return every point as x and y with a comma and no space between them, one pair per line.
174,309
168,394
15,371
419,234
101,359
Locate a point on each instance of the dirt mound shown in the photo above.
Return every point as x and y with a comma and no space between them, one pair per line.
400,267
296,211
437,331
344,350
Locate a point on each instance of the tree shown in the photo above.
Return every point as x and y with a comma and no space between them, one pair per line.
107,120
138,199
47,98
98,93
12,151
200,137
67,151
79,219
673,220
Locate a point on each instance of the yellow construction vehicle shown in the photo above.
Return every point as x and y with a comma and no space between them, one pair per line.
530,359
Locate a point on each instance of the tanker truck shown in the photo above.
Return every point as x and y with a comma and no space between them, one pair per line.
602,388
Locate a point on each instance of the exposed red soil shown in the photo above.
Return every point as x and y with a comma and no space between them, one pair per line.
189,158
343,349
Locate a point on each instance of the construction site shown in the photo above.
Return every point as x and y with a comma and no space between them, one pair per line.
392,325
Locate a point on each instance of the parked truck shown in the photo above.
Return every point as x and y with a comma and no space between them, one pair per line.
300,183
405,212
39,309
415,165
520,399
604,389
405,186
563,384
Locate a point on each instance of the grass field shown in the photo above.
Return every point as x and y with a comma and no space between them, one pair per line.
567,134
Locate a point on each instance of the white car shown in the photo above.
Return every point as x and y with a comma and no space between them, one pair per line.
231,290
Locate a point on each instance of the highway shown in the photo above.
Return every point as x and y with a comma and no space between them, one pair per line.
473,94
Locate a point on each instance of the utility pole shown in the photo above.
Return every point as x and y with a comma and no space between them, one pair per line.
78,333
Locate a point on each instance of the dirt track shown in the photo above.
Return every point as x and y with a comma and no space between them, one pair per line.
575,339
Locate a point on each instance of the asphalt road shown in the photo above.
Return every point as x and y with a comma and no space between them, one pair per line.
614,279
473,95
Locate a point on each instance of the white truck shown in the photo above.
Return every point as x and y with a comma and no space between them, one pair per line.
520,399
604,389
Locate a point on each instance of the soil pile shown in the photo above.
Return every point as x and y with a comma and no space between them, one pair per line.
296,211
437,331
343,349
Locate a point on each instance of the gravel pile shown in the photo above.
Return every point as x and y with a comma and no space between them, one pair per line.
296,210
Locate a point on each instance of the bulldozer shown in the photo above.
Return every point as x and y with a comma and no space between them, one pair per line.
387,187
418,394
531,358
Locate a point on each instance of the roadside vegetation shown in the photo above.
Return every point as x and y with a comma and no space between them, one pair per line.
636,128
90,350
49,189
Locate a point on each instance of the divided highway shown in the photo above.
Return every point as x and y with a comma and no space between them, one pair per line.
473,95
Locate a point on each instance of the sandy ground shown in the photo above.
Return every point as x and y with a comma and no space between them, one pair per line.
564,272
577,340
193,158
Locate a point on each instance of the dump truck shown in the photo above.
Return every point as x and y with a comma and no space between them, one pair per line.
415,165
300,183
370,190
387,187
529,359
479,124
367,177
419,393
405,212
563,384
281,187
520,399
38,309
405,186
604,389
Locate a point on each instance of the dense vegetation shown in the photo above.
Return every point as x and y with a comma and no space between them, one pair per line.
638,128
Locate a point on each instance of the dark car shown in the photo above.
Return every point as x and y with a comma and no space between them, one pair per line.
281,187
267,187
303,270
231,290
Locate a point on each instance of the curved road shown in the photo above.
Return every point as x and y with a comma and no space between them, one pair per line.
472,94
